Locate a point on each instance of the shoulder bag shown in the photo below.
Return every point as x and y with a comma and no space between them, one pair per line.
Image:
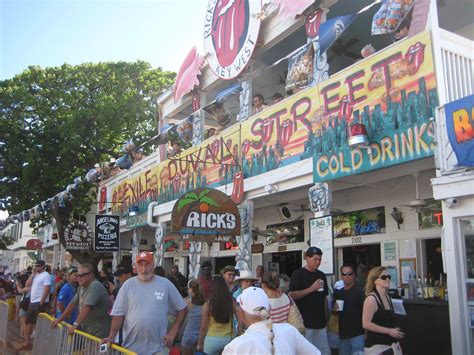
295,318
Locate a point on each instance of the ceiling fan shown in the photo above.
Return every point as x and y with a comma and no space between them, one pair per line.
417,204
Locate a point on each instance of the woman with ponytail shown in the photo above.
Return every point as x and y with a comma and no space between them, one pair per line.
262,336
193,322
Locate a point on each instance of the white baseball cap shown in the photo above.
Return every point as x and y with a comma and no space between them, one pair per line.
252,299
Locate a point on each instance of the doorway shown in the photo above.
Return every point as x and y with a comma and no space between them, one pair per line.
285,263
364,258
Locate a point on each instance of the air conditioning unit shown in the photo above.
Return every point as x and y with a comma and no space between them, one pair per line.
290,212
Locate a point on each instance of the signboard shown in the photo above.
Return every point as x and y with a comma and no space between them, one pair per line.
34,244
230,35
107,233
362,222
320,230
393,93
460,127
206,215
78,236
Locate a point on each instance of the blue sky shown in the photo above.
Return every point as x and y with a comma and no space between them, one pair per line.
53,32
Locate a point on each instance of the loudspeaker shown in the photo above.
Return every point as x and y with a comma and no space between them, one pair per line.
289,212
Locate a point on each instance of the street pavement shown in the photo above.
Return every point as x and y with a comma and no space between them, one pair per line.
14,341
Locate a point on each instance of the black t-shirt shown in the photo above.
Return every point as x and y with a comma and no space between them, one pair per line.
312,305
350,319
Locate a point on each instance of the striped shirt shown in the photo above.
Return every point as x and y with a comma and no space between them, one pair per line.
280,308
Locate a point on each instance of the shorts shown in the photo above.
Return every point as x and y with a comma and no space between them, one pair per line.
22,313
34,309
189,339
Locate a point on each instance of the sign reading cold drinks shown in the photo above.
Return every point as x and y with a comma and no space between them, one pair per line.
206,215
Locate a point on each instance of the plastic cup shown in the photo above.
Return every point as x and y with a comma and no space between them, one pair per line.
321,289
340,305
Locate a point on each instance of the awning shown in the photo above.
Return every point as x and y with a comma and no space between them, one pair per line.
21,243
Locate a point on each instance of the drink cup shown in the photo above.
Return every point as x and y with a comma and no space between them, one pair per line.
340,305
321,289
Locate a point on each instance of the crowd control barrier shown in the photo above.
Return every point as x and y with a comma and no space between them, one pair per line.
57,341
3,324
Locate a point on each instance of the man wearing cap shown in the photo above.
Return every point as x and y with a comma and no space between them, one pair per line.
309,290
93,301
205,280
228,273
262,336
40,283
142,306
66,294
123,273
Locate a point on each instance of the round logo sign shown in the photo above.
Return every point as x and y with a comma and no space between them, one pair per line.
230,33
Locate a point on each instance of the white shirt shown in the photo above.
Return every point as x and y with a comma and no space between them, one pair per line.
37,287
256,340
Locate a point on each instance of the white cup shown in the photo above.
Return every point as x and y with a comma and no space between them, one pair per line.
321,289
340,305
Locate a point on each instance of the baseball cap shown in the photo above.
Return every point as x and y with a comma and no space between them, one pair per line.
252,299
71,270
313,251
145,255
207,263
40,263
122,270
227,269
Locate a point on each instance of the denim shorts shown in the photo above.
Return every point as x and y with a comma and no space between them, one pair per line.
213,345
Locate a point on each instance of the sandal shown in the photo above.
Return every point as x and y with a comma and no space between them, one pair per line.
25,348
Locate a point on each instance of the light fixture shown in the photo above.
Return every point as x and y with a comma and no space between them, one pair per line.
133,210
397,216
357,135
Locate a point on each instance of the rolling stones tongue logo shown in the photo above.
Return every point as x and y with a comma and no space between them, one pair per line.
229,29
286,132
230,34
345,109
312,23
415,56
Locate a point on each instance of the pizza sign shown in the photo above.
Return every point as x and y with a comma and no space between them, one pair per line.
230,33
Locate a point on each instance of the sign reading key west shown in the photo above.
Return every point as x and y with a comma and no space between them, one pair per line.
206,215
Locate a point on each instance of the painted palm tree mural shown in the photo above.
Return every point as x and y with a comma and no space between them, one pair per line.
203,200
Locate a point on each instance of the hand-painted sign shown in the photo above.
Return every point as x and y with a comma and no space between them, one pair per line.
230,34
460,127
78,236
205,215
107,233
34,244
393,94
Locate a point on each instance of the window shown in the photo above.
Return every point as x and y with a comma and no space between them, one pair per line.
285,233
369,221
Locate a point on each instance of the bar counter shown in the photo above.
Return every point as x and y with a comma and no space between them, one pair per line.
426,327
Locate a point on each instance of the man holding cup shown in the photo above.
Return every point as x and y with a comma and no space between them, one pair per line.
348,304
309,290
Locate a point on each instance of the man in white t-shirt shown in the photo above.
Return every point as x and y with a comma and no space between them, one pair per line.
262,337
40,283
142,307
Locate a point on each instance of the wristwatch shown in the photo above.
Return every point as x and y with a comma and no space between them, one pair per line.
75,324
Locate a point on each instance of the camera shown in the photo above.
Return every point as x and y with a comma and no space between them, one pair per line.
103,348
451,202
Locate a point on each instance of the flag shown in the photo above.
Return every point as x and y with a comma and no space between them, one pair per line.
330,30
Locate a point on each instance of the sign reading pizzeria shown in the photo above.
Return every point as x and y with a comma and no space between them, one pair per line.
206,215
107,233
230,34
78,236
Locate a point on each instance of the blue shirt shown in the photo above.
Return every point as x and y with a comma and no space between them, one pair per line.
65,296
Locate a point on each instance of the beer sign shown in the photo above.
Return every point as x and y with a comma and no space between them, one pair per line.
206,215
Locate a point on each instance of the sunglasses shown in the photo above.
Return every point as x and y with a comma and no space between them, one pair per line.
84,274
385,277
347,273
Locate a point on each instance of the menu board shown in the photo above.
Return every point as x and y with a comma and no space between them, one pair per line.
320,230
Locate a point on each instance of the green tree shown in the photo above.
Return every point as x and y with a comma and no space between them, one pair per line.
56,123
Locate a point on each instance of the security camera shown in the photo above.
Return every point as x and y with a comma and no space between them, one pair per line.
271,188
451,202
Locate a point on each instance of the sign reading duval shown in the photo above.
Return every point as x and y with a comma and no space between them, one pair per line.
206,215
230,33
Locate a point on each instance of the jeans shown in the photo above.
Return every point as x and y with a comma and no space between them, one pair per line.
319,338
213,345
352,346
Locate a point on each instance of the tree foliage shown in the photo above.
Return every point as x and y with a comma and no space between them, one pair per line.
56,123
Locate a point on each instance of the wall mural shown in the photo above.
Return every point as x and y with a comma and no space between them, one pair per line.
393,93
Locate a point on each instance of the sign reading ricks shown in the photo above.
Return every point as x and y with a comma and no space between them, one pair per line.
206,215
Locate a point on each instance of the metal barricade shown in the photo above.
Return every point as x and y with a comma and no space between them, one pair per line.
57,341
3,324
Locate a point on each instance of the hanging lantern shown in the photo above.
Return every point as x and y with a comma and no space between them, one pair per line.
357,135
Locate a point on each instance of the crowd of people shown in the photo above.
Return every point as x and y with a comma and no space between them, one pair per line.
229,313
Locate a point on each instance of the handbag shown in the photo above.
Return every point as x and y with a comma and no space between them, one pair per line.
295,318
24,303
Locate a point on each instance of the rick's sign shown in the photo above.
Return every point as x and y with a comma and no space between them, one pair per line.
206,215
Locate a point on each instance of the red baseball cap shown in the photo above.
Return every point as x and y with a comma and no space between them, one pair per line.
145,255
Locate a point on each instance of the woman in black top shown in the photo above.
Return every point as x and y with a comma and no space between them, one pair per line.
378,317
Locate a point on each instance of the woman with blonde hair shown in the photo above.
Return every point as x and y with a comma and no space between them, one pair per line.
378,317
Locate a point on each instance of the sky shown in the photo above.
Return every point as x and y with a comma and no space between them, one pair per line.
53,32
